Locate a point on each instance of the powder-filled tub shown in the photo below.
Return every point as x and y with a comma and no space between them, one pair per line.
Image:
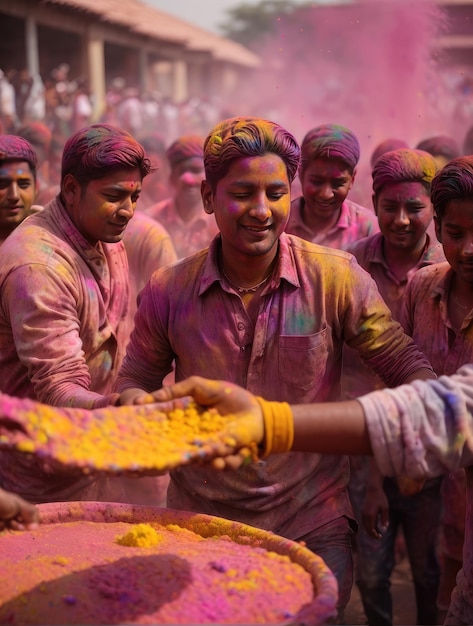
108,563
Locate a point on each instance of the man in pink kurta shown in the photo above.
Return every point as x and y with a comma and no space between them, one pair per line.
62,312
64,295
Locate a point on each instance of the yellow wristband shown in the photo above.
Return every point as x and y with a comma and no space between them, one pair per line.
278,427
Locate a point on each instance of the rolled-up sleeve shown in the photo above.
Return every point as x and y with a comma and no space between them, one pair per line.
424,429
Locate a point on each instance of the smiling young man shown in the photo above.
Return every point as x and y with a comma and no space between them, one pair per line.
18,163
64,293
269,311
324,214
401,196
438,314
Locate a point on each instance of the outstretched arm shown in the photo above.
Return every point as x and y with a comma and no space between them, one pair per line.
329,428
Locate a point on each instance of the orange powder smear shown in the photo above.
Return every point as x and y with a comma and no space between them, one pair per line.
117,439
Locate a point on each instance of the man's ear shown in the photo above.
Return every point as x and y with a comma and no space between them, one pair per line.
207,197
353,176
69,188
375,204
438,228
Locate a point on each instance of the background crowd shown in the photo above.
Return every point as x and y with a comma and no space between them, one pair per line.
362,266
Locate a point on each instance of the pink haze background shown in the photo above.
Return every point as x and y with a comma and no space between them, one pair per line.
370,66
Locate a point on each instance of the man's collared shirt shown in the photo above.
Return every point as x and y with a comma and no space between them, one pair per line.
355,223
316,299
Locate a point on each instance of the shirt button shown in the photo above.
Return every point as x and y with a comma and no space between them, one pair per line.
241,326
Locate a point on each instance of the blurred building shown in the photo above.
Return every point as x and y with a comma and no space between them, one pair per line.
106,39
456,44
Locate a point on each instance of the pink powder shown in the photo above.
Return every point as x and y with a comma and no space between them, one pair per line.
74,572
365,65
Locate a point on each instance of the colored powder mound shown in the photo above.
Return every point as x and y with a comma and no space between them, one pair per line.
140,536
181,578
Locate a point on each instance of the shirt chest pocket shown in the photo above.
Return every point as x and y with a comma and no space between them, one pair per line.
303,359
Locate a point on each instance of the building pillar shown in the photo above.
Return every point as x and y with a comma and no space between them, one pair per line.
143,70
180,89
31,43
96,72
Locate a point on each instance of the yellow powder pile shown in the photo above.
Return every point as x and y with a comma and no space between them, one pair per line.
115,439
139,536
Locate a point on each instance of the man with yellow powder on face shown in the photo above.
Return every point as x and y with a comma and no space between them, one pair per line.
64,297
271,312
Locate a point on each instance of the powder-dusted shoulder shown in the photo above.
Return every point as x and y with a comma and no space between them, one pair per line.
359,209
365,246
431,275
30,242
184,269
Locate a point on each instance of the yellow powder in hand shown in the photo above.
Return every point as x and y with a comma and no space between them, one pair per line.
118,439
140,536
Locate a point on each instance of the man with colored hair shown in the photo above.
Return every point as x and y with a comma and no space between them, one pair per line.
40,137
401,197
323,214
387,145
156,185
182,214
269,311
18,163
64,295
438,314
442,147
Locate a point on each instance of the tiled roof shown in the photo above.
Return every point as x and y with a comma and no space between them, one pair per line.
145,20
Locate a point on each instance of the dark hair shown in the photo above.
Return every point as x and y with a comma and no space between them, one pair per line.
454,181
15,148
238,137
37,133
404,165
387,145
330,141
185,147
153,142
440,145
468,142
94,151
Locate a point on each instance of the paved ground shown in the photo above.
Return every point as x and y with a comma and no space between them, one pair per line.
404,607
